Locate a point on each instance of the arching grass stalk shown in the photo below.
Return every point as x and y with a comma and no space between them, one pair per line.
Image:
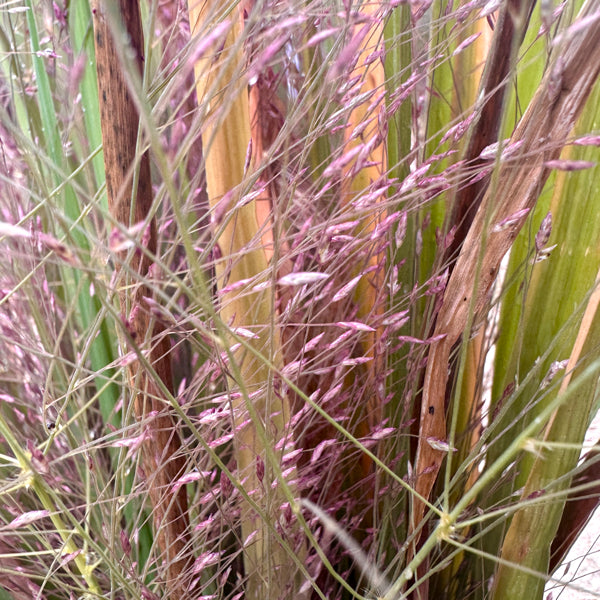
30,478
449,523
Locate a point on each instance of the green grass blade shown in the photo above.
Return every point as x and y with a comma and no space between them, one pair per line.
102,350
554,289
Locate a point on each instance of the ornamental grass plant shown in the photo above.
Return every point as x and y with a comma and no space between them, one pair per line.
298,299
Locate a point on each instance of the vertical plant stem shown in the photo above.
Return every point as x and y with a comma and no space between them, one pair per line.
368,116
270,572
130,205
467,405
398,58
509,31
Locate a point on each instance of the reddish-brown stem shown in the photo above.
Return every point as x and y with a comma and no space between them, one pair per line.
161,459
509,31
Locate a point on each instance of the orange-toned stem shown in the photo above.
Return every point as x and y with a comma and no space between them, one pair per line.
357,180
244,237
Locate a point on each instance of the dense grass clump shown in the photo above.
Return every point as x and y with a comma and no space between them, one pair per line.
298,299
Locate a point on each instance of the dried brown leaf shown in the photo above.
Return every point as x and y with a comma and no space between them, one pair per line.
544,130
119,123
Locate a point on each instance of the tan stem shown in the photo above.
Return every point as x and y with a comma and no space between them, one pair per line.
244,240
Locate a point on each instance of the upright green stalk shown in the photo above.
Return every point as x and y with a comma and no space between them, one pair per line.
556,288
397,65
102,351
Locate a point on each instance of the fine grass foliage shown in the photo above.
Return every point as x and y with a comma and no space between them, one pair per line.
298,299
